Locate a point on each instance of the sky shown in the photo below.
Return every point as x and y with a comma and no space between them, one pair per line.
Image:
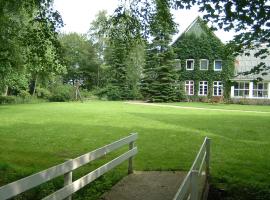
78,15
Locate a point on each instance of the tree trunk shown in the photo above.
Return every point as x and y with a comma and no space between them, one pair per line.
98,78
5,91
35,85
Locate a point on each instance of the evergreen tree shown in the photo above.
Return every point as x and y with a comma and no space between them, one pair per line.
160,81
121,55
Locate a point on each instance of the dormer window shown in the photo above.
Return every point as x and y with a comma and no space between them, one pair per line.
218,65
204,64
190,64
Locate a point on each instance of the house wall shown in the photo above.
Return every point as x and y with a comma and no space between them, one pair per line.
206,46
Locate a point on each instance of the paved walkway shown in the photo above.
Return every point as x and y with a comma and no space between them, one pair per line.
151,185
195,108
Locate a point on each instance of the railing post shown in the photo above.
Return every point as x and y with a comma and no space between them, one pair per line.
207,158
130,160
194,195
67,181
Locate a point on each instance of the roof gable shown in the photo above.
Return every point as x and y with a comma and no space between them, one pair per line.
198,27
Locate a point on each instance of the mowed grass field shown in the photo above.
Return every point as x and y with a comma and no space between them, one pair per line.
34,137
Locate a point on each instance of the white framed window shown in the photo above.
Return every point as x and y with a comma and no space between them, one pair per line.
218,65
177,63
260,90
241,89
217,88
190,64
203,88
189,87
204,64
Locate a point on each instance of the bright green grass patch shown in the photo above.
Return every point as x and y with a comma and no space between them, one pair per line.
35,137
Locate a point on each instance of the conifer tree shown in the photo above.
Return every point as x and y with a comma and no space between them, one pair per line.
159,82
120,55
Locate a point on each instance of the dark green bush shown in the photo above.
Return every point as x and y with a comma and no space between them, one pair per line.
62,93
110,92
7,99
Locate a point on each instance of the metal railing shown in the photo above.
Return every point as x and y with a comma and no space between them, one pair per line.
66,168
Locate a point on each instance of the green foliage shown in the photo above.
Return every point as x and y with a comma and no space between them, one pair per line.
125,56
24,94
43,93
110,92
159,83
62,93
81,59
205,46
28,42
7,99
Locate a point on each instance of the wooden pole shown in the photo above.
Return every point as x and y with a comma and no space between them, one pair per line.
68,181
130,160
194,195
207,158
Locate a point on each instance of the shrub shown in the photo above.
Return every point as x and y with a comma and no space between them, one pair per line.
24,94
62,93
110,92
217,99
85,94
43,93
7,99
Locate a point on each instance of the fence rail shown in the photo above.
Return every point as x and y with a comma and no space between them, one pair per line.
195,184
66,168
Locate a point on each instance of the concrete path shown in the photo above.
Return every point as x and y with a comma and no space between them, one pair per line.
196,108
151,185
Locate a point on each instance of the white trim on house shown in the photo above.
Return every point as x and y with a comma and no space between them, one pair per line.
193,62
217,88
189,87
215,65
250,91
203,88
201,64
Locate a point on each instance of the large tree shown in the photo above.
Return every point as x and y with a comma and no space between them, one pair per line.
24,25
123,54
160,82
81,59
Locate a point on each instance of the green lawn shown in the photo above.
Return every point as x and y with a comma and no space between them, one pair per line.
36,136
260,108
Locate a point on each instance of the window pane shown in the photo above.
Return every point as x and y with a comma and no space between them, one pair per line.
204,64
187,87
218,64
190,64
192,90
246,86
241,85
